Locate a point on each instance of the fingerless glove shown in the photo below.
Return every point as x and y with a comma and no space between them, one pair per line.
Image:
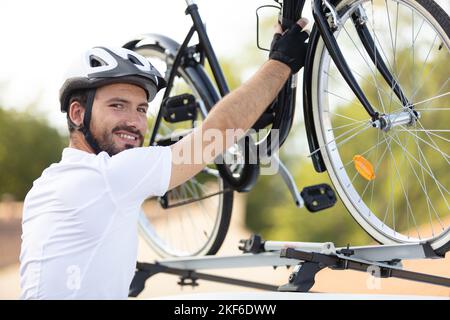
290,47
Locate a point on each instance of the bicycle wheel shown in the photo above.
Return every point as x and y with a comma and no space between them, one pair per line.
193,218
393,180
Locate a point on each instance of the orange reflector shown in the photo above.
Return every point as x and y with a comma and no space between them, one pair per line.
364,167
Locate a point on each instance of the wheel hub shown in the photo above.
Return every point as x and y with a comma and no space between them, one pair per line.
386,122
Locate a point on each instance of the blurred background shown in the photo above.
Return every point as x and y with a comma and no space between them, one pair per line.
40,38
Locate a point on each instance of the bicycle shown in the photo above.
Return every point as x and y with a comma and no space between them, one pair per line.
367,117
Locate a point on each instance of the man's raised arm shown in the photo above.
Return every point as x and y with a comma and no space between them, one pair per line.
240,109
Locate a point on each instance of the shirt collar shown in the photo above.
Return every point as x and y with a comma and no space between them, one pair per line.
73,153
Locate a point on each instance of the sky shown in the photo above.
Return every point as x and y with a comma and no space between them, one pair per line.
41,37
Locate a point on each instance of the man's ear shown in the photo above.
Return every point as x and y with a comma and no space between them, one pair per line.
76,113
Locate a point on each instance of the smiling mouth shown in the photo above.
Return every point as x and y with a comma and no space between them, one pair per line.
125,136
128,138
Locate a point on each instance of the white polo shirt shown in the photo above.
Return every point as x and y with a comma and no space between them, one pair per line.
79,228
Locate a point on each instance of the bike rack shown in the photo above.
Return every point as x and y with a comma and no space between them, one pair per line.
309,258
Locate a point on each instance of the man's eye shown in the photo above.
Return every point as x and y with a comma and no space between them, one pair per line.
143,110
117,105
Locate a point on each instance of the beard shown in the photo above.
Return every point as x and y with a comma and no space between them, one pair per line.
107,144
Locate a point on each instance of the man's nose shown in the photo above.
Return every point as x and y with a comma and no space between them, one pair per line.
133,119
136,121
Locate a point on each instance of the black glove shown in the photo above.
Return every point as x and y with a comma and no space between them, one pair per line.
290,48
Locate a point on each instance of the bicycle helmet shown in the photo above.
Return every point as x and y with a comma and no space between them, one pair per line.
101,66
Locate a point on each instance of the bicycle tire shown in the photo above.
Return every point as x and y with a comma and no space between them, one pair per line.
222,220
352,195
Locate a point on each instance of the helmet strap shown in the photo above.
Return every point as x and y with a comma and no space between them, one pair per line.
87,122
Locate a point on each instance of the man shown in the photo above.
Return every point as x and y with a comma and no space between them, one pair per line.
80,217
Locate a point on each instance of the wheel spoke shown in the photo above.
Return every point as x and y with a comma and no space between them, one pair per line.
368,81
343,141
368,66
409,207
432,98
443,154
338,96
431,132
430,172
423,185
365,153
380,46
433,109
377,164
343,116
399,189
421,86
423,69
346,125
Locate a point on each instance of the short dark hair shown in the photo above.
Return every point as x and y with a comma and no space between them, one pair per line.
79,96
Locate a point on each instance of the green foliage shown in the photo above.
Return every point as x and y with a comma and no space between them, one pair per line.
27,146
229,67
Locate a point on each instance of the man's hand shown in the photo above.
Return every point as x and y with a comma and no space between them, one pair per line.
290,47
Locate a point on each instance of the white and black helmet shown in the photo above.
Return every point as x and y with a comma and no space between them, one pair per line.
100,66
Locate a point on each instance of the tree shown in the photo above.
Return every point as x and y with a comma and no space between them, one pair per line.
27,146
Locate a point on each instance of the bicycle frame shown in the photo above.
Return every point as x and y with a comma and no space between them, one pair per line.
205,49
291,12
339,59
187,60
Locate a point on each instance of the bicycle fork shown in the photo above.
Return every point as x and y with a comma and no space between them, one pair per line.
326,28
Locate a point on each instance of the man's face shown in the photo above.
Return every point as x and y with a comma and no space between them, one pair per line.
119,117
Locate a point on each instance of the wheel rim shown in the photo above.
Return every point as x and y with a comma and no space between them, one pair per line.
189,229
344,133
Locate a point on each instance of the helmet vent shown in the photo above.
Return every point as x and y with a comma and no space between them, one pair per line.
95,61
134,60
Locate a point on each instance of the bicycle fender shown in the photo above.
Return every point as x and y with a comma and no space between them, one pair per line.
311,134
154,39
195,70
313,143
